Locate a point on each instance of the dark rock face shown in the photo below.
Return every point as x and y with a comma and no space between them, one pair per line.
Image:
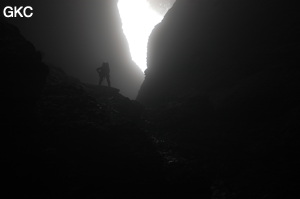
210,46
223,79
23,75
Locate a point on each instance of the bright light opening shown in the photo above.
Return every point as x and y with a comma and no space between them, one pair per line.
138,21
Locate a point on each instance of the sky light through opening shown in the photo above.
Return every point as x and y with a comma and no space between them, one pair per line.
138,20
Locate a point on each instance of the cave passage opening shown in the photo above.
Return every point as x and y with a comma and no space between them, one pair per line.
139,17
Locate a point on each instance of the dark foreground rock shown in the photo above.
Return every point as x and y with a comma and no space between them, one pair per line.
61,138
84,145
99,140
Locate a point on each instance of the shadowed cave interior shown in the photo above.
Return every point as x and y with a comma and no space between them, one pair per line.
216,116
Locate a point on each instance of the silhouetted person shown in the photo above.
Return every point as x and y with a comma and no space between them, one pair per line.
104,73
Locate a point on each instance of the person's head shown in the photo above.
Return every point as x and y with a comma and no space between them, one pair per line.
105,64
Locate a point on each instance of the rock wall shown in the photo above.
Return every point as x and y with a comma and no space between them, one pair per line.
223,84
23,76
235,53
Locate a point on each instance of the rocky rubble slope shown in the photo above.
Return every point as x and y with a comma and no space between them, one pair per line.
61,138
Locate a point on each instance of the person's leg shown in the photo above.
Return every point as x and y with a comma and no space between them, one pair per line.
100,80
108,80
